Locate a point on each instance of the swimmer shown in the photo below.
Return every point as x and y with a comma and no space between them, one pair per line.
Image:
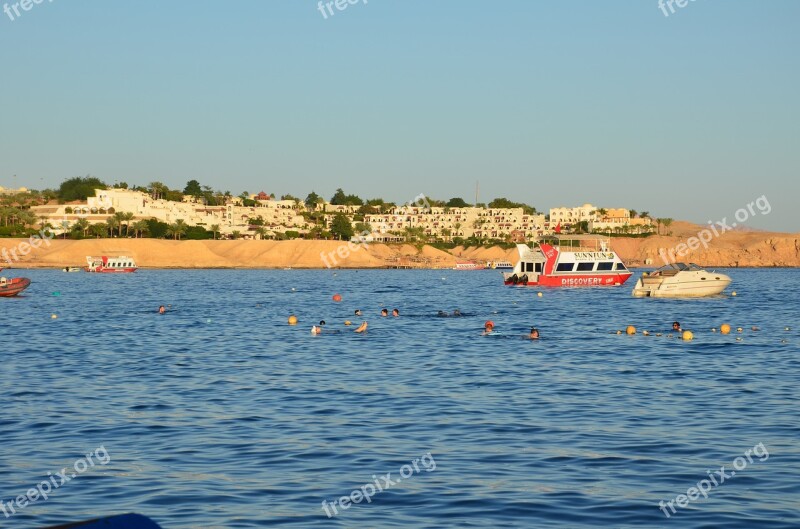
676,326
534,335
395,313
358,312
488,327
442,314
362,328
161,309
456,313
384,313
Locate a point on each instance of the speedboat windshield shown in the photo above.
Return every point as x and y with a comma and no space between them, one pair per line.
680,267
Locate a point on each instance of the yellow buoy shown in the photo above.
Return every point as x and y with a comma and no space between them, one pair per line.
539,294
348,322
739,329
733,293
619,332
53,316
713,329
646,333
292,320
725,328
630,329
687,336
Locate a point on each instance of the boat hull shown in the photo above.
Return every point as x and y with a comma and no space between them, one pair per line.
679,280
14,287
110,270
574,280
692,289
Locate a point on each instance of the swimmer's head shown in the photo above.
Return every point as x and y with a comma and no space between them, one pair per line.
395,313
384,312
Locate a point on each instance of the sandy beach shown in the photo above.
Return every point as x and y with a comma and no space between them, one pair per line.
743,249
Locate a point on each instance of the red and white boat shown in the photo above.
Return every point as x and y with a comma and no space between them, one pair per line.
568,261
111,265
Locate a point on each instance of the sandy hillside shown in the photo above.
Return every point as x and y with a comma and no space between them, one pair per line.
735,248
157,253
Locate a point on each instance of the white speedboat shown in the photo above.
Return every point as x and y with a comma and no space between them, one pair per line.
679,280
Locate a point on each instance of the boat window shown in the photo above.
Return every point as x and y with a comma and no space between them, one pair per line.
529,267
585,267
605,266
621,266
564,267
539,268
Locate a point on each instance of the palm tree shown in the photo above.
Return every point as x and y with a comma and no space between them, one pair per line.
215,230
633,213
261,231
140,227
99,229
120,218
126,218
667,222
157,190
81,225
112,223
177,229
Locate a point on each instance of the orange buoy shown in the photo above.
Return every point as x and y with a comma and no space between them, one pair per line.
630,329
725,328
292,320
337,298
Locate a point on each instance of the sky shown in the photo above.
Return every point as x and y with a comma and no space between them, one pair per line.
691,116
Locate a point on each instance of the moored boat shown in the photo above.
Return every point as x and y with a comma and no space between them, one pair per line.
72,269
13,287
679,280
468,265
500,265
568,261
111,265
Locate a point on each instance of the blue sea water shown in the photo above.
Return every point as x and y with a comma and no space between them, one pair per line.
220,415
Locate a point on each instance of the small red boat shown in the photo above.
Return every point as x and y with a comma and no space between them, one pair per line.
13,287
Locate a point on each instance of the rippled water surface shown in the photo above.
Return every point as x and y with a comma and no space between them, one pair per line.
219,414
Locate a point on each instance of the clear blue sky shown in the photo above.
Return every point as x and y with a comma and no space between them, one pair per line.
553,103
